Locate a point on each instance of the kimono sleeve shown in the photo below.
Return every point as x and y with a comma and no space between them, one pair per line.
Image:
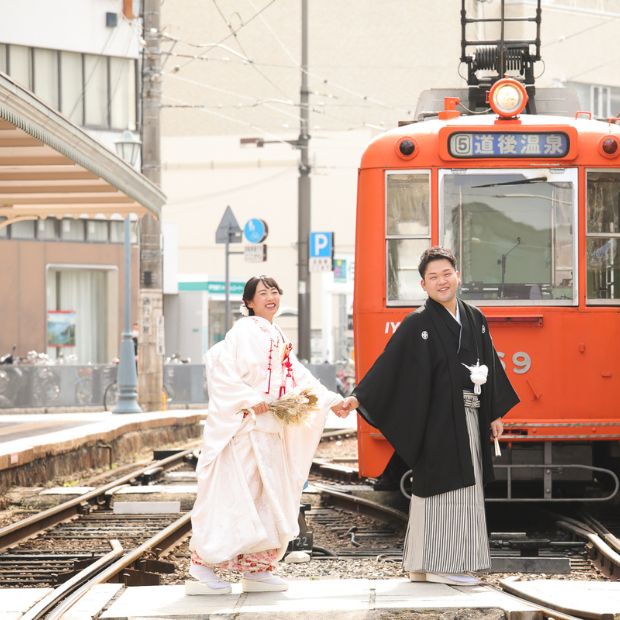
394,395
228,395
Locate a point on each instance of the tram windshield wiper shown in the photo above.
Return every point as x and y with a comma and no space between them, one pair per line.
520,182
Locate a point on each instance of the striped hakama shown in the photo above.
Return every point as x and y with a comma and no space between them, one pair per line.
447,533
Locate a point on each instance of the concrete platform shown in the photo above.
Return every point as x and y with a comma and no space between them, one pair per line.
15,602
352,599
36,447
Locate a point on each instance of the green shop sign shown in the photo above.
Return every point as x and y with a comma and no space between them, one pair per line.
214,288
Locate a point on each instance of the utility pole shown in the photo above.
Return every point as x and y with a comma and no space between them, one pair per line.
150,312
303,209
303,195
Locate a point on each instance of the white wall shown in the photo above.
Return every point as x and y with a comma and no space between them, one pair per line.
72,25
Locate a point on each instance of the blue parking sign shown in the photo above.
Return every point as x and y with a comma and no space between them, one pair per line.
321,244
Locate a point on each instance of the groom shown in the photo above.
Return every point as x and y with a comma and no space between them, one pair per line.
438,393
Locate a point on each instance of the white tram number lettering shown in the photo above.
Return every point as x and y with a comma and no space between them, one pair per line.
522,362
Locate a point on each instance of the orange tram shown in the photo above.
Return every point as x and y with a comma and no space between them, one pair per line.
530,205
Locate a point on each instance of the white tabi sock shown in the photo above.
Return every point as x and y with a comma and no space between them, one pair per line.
205,575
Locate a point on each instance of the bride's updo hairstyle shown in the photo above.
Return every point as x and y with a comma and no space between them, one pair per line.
250,289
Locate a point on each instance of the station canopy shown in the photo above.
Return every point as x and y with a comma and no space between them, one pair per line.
49,167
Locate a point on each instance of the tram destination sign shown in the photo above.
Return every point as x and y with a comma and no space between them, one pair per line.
474,145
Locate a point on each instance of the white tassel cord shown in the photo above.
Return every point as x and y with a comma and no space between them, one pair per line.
478,375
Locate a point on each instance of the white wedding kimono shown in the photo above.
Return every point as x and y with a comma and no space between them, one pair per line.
252,469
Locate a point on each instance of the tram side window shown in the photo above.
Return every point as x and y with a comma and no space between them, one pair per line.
603,237
513,233
408,234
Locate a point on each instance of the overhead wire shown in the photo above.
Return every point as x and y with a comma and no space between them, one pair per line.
311,74
253,102
369,100
253,65
272,137
231,33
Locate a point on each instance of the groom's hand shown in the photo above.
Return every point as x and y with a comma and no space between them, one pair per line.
346,406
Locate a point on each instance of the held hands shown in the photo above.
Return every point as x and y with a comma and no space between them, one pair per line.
344,407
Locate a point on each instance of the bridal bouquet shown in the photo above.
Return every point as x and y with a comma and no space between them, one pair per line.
295,407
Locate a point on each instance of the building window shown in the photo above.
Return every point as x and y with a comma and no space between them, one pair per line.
610,8
22,230
85,293
71,92
20,65
600,98
47,229
96,90
117,233
92,90
45,76
603,237
122,94
408,234
72,230
603,101
96,230
3,66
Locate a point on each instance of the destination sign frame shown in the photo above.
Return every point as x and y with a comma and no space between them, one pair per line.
509,144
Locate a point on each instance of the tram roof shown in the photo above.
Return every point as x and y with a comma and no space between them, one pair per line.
430,127
581,124
50,167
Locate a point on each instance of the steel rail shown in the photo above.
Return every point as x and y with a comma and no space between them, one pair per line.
603,555
509,589
57,595
161,542
362,505
20,530
611,539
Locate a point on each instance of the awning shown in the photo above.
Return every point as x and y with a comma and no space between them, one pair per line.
49,167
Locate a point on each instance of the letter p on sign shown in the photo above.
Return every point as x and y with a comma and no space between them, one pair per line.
321,251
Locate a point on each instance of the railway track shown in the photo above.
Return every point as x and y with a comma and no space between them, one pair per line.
589,542
48,549
136,553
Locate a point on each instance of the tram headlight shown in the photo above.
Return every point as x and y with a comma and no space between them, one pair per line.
508,98
609,147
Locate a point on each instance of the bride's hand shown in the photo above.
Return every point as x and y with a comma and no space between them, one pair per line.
260,408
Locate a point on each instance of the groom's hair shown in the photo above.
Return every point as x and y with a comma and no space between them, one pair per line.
435,253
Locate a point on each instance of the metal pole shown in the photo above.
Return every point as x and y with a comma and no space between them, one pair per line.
303,221
127,377
227,284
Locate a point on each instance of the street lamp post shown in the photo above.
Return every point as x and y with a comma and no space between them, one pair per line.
127,148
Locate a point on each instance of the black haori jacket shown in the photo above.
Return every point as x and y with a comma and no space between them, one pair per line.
413,394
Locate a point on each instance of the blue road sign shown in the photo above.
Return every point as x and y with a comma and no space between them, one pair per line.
255,230
321,244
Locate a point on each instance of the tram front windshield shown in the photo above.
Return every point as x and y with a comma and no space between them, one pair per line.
513,232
